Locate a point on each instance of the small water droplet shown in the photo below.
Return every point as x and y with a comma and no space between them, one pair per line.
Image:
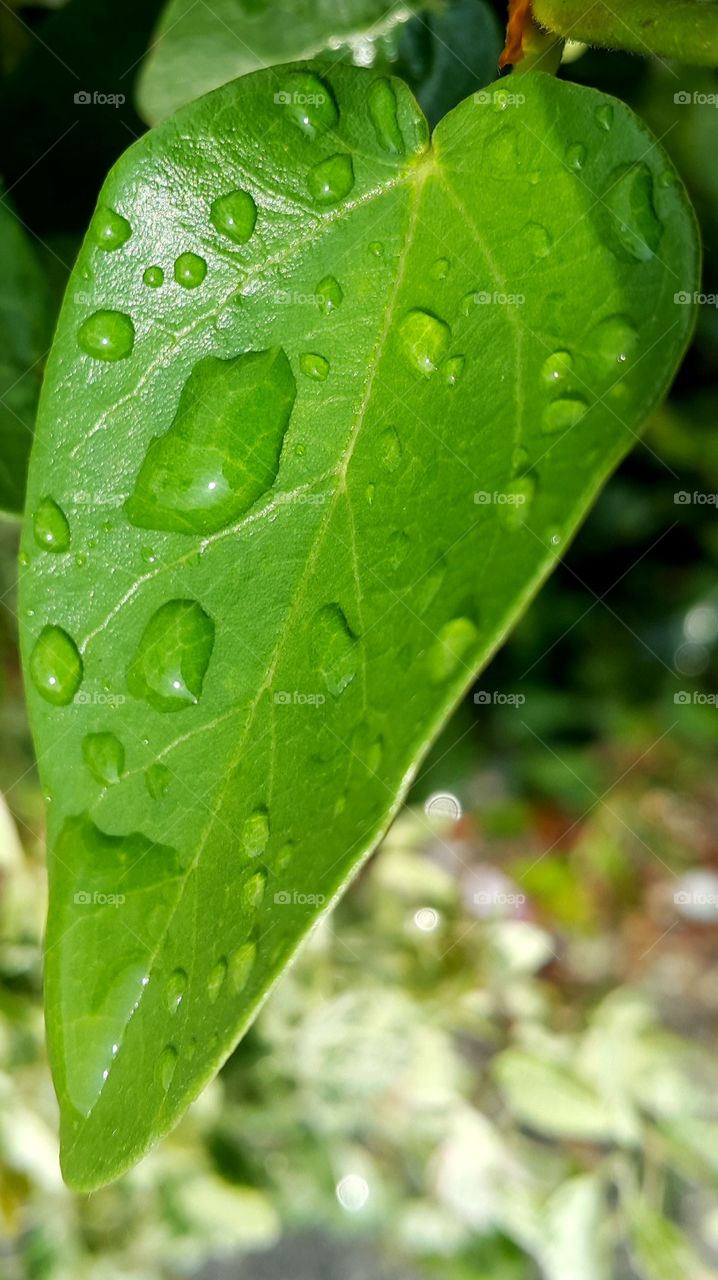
383,113
234,215
501,154
56,666
314,366
166,1067
24,560
453,645
519,458
398,548
425,339
241,963
535,177
376,248
556,368
334,648
369,493
109,229
104,756
604,117
216,979
175,990
613,341
389,446
440,269
190,270
153,277
148,555
329,294
452,370
157,779
367,746
538,239
632,229
308,102
210,467
575,156
554,536
252,892
562,414
332,179
172,656
107,335
50,526
255,833
667,179
519,495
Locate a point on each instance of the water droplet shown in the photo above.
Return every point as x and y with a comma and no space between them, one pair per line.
369,493
389,446
667,179
613,341
575,156
190,270
453,644
107,335
109,229
604,117
474,299
452,370
334,648
166,1067
157,779
211,466
376,248
501,154
367,746
329,294
56,666
153,277
519,496
425,339
308,102
24,560
50,526
241,963
332,179
172,656
175,990
440,269
255,833
538,239
556,368
104,756
234,215
314,366
383,113
398,548
554,536
562,414
535,177
216,980
632,229
252,891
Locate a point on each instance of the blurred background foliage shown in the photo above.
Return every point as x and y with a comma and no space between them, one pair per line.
498,1059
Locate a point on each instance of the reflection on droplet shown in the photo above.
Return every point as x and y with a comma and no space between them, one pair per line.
252,891
613,341
329,294
631,227
166,1067
153,277
190,270
175,990
157,779
384,116
172,656
50,526
104,756
604,117
241,963
575,156
234,215
352,1192
308,102
107,335
389,447
452,370
332,179
255,833
109,229
454,643
425,339
334,648
216,980
56,666
314,366
556,367
515,510
562,414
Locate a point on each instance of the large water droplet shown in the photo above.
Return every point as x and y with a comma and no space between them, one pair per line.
383,113
308,102
234,215
241,963
329,294
56,666
190,270
612,342
425,339
632,228
175,990
50,526
519,495
172,656
109,229
153,277
389,446
104,756
255,833
222,449
453,645
314,366
107,335
157,779
556,368
332,179
216,979
334,648
562,414
166,1066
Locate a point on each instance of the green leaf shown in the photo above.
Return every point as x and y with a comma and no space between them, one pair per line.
682,29
24,340
198,47
456,344
548,1098
659,1250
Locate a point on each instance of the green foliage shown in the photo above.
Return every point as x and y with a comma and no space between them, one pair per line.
684,29
293,536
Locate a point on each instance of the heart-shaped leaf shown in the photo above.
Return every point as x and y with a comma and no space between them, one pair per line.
324,406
